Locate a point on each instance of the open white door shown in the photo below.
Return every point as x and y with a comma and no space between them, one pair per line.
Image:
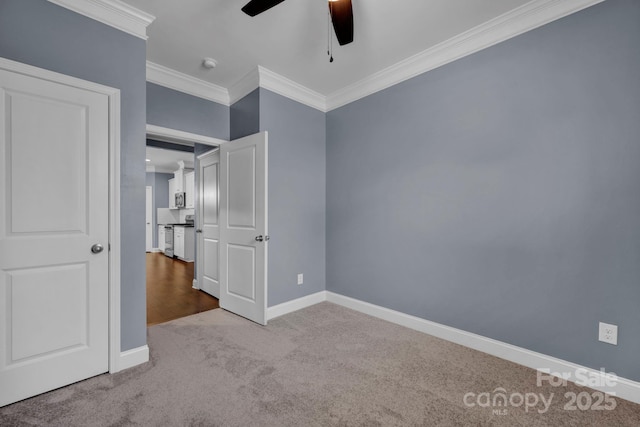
243,227
208,230
54,231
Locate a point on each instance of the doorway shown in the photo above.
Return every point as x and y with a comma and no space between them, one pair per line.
243,226
170,258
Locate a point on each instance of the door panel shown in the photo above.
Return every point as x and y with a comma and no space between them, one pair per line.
242,271
243,219
210,194
47,319
242,188
54,151
208,240
63,164
211,255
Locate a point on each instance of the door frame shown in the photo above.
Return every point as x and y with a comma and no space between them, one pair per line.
175,136
113,96
160,133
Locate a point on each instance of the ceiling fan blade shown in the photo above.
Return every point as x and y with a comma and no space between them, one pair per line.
255,7
342,18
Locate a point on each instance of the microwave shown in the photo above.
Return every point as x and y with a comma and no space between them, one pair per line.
180,200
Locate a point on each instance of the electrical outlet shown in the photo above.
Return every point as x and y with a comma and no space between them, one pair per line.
608,333
300,279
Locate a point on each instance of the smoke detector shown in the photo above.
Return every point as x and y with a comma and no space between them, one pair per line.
209,63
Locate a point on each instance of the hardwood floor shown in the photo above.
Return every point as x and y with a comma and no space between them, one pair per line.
170,294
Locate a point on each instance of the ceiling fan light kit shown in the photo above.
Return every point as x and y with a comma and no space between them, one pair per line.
342,18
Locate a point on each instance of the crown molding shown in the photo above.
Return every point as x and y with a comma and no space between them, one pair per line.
181,82
267,79
292,90
244,86
513,23
112,12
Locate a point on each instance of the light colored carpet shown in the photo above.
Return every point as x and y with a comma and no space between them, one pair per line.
321,366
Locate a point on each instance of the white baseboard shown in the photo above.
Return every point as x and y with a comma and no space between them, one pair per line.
194,284
296,304
155,250
623,388
133,357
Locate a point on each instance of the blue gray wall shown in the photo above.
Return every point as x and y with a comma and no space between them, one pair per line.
499,194
176,110
245,115
297,196
42,34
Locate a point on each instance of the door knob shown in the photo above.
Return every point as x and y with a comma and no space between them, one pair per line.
259,238
266,237
198,231
97,248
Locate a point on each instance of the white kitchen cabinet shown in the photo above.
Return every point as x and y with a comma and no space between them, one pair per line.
161,237
189,188
183,181
178,241
183,242
173,184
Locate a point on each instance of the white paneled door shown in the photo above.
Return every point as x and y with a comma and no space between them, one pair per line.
54,213
208,230
243,227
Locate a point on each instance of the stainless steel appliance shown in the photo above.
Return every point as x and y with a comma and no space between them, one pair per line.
180,199
168,240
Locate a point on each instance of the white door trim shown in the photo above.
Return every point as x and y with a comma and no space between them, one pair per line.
160,133
114,188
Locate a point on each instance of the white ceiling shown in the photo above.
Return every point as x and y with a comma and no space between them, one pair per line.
166,161
291,38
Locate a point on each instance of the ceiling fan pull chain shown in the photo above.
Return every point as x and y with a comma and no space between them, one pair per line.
330,52
328,30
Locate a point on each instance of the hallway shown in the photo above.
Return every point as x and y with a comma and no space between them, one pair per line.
170,294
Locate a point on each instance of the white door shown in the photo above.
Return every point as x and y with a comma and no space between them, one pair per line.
208,230
149,219
54,151
243,227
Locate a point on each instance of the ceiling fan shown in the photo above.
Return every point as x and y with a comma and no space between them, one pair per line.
340,11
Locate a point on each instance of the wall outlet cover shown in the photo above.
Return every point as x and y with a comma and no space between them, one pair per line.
300,279
608,333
